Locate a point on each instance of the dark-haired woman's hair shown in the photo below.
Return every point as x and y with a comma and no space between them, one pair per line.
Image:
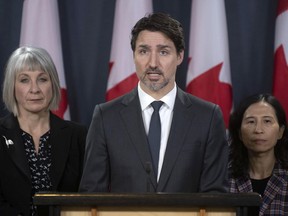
238,156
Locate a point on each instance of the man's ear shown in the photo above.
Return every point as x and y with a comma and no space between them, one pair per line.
180,57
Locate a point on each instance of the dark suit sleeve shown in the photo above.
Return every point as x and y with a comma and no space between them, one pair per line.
214,173
6,208
95,176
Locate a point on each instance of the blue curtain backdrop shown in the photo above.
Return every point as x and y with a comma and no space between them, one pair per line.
86,30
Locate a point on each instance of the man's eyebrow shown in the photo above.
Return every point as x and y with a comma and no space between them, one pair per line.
163,46
160,46
143,46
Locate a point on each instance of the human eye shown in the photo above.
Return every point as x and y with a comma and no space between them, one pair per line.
249,121
164,52
268,121
142,51
23,79
43,78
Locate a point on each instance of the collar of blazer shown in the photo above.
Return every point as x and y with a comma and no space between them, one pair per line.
10,129
60,139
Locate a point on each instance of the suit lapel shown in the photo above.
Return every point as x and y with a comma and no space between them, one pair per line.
16,151
132,118
176,137
273,187
59,139
244,184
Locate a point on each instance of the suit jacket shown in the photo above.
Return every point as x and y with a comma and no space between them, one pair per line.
67,152
117,157
275,198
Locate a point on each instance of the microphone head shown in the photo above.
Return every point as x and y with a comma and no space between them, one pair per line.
148,167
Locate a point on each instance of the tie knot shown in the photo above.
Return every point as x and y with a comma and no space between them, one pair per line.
156,105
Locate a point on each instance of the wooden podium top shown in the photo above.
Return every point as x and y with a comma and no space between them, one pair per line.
149,199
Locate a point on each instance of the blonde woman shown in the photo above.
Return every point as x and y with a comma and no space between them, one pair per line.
38,150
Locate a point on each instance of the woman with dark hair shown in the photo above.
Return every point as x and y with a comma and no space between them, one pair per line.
258,152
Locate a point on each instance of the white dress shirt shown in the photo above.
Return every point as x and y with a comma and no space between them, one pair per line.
166,114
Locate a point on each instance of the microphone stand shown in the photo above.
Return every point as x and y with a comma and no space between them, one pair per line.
148,171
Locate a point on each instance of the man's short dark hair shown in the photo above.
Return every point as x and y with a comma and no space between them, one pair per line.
160,22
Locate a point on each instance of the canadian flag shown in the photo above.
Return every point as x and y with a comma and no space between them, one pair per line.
208,75
122,76
280,81
40,28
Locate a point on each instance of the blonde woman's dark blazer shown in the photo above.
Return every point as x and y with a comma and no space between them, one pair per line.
68,144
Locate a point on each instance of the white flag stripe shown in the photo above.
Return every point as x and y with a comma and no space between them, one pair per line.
41,28
40,19
208,18
127,13
282,32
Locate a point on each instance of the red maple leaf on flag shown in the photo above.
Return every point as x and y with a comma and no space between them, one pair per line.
208,75
208,87
121,87
280,76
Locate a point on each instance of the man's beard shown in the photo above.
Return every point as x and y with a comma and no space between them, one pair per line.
152,85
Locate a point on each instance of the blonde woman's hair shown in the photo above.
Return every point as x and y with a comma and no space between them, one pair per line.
29,59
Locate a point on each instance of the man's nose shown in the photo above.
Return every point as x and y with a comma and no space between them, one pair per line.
153,61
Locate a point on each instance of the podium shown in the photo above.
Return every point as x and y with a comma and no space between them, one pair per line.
148,204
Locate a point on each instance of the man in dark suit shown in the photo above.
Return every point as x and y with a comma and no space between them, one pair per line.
192,153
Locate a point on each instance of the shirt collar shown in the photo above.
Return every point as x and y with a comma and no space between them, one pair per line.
146,99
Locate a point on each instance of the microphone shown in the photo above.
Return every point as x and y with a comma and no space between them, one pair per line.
148,168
